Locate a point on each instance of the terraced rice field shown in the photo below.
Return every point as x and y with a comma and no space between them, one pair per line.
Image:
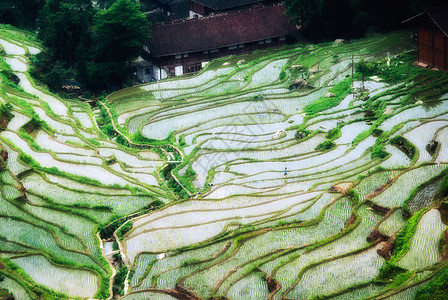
192,199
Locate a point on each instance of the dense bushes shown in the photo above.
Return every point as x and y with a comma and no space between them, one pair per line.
443,188
378,149
404,146
53,75
172,183
5,115
436,289
301,134
334,133
105,123
389,271
326,145
125,228
120,277
107,230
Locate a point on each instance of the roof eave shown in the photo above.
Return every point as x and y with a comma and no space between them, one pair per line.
432,19
414,17
435,22
229,45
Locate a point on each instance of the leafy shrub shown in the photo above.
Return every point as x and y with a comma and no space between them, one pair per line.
282,75
5,111
404,236
389,271
115,246
364,68
106,230
443,187
120,277
404,145
353,195
377,132
156,205
124,229
334,133
301,134
436,289
326,145
109,130
122,140
378,151
51,73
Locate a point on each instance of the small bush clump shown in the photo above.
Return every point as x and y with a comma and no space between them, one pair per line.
325,145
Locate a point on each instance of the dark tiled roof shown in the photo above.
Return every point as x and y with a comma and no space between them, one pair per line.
438,15
225,4
219,31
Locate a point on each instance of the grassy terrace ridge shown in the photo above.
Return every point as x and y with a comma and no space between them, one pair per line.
237,182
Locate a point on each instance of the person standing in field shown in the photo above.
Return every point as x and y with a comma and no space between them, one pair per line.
285,175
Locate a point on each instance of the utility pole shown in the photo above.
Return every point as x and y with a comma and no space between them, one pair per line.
318,61
353,86
353,64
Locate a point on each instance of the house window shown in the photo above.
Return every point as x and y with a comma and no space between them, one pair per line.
214,50
186,55
241,46
178,56
268,41
193,68
147,71
232,47
205,52
260,42
282,38
171,71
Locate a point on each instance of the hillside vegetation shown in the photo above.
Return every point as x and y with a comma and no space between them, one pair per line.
177,189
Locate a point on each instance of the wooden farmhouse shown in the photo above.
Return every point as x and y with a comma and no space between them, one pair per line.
432,37
186,46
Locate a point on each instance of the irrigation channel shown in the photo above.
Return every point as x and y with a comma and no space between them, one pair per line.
274,175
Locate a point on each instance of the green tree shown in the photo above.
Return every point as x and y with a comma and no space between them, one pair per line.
65,27
104,4
121,31
364,68
22,13
57,75
52,73
302,11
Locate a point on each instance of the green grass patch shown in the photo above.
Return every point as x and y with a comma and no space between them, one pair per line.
120,277
341,90
334,133
404,145
326,145
390,270
436,288
125,228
